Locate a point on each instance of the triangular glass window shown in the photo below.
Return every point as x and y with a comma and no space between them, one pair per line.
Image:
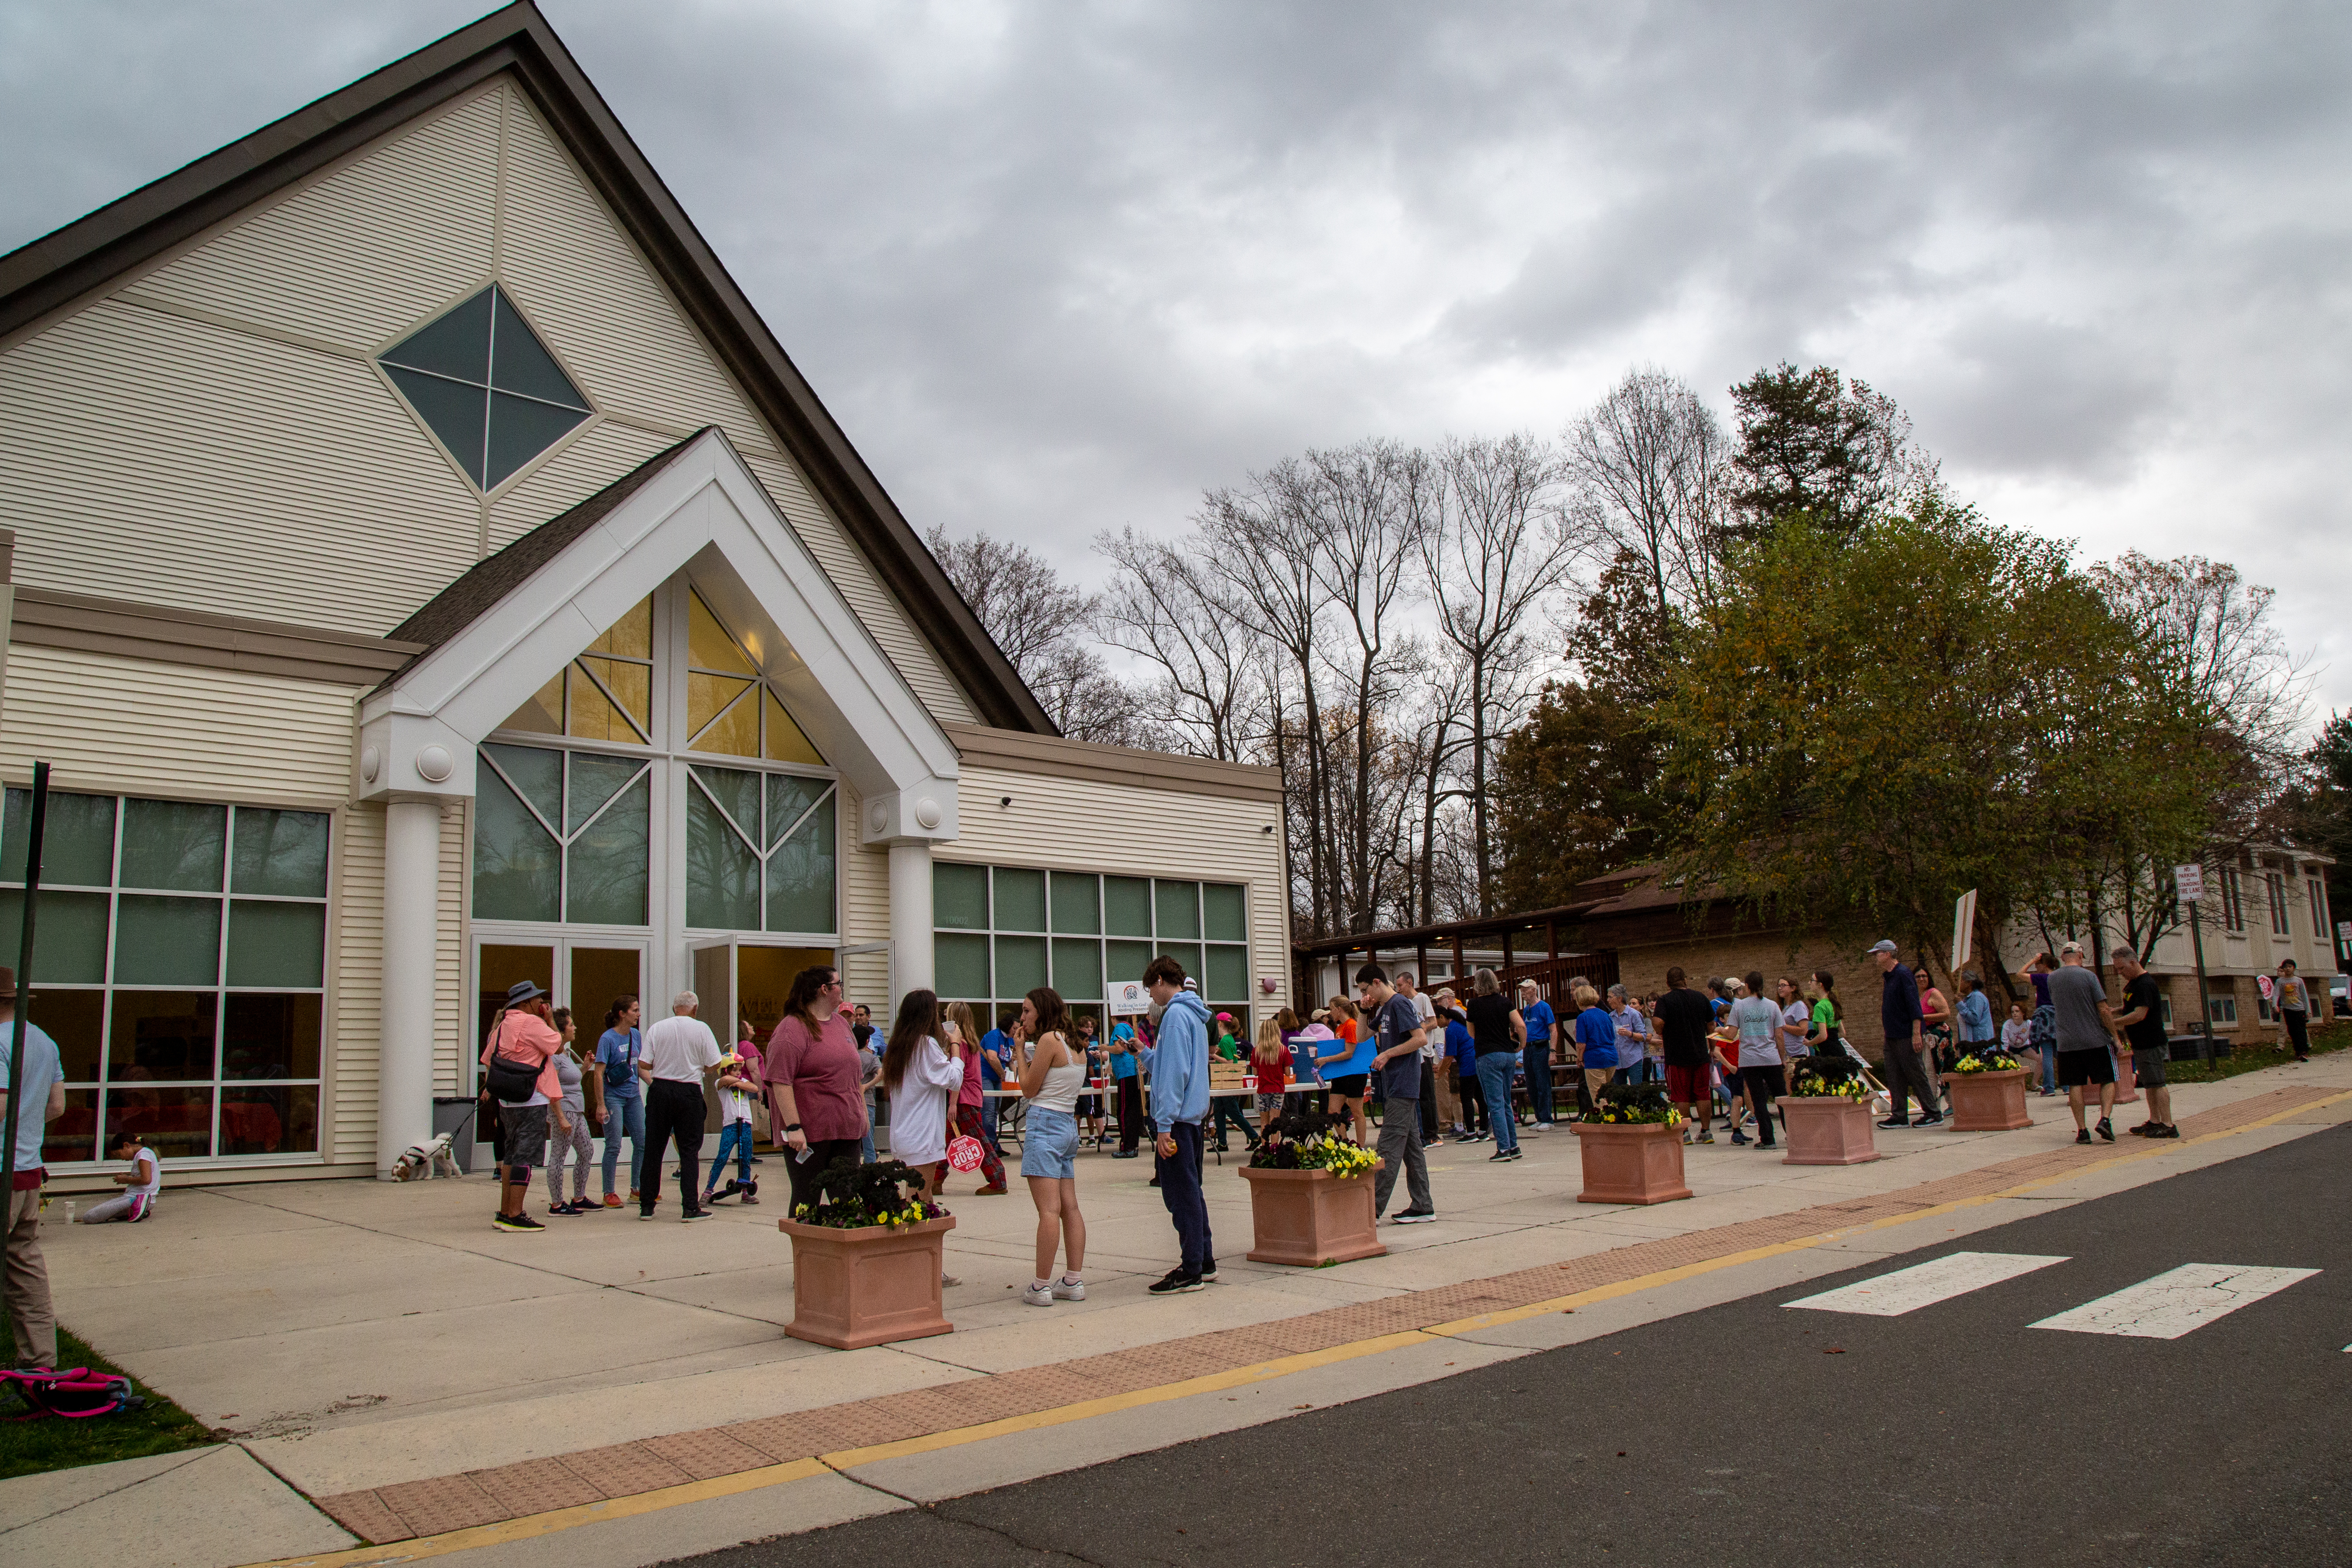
485,384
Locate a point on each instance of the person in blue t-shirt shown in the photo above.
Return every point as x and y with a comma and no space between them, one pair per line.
996,1049
1463,1046
1596,1039
617,1051
1127,1083
1537,1014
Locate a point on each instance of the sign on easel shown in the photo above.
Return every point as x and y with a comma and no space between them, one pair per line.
1964,928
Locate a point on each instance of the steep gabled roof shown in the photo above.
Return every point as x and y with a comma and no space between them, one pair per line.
482,586
62,268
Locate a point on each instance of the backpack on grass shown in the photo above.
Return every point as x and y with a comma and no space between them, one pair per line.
74,1394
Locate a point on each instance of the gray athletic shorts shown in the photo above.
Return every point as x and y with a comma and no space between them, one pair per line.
2147,1066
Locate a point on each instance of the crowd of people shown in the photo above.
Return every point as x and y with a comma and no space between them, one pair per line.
1469,1062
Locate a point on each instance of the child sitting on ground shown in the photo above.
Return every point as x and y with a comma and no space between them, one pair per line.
142,1181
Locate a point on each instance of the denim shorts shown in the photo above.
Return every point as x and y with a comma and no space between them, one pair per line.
1049,1144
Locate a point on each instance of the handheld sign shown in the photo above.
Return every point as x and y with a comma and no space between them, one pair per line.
1128,997
964,1155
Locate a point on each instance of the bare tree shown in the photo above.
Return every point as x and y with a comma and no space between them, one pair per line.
1045,627
1192,632
1262,544
1366,525
1496,547
1443,734
1652,470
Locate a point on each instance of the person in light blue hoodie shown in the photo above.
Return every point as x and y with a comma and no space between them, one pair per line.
1180,1103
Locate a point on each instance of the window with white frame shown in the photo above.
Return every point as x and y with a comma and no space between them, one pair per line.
2274,885
1002,931
2233,911
2316,891
572,789
2222,1011
179,962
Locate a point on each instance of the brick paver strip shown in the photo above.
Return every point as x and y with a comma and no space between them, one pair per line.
384,1514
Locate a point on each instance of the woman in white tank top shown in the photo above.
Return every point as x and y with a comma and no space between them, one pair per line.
1052,1073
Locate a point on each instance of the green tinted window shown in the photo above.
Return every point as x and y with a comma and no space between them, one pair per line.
271,943
76,840
282,852
1076,907
516,861
1227,976
1078,969
1020,966
68,941
166,942
1020,900
173,844
1178,906
1125,961
961,965
801,874
1223,914
960,897
1126,906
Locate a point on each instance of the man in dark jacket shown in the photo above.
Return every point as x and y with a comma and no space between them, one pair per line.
1906,1069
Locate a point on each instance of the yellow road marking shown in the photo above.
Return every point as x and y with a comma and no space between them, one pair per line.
532,1526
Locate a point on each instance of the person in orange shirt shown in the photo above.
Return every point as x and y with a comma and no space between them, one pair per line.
524,1041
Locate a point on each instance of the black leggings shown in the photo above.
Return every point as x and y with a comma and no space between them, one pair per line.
1473,1105
1764,1085
802,1173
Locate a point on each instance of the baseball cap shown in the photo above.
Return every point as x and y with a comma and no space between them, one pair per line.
1884,945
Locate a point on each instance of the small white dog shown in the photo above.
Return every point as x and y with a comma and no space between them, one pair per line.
423,1162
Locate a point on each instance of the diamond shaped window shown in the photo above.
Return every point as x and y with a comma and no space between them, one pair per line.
486,386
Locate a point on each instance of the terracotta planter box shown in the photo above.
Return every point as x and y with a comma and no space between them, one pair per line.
1638,1164
871,1285
1308,1218
1828,1130
1988,1102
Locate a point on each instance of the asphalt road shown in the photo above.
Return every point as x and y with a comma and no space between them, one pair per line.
1751,1434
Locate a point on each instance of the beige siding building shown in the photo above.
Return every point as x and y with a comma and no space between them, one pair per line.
429,573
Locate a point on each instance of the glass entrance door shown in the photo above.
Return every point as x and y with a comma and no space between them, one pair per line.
586,974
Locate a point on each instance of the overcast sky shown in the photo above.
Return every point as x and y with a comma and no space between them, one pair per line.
1059,268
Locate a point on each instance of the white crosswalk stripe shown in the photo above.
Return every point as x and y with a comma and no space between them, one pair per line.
2176,1302
1924,1284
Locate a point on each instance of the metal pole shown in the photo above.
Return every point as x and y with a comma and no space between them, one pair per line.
23,999
2204,1008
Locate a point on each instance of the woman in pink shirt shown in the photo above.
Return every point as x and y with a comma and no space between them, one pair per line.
812,1074
524,1036
969,1123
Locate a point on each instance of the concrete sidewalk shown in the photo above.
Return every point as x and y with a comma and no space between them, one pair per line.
375,1342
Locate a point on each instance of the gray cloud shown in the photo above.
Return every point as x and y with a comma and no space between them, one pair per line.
1059,268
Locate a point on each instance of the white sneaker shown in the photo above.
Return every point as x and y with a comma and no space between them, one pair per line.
1069,1290
1036,1295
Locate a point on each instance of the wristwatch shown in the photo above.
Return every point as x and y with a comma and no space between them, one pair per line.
791,1126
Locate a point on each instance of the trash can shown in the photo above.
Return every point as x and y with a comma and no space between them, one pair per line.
455,1116
2192,1048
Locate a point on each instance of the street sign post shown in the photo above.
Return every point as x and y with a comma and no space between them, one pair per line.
2190,881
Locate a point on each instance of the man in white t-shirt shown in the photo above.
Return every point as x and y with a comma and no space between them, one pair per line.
680,1051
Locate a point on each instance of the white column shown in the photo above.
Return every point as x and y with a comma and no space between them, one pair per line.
910,919
412,886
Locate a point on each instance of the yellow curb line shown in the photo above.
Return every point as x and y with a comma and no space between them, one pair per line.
531,1526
